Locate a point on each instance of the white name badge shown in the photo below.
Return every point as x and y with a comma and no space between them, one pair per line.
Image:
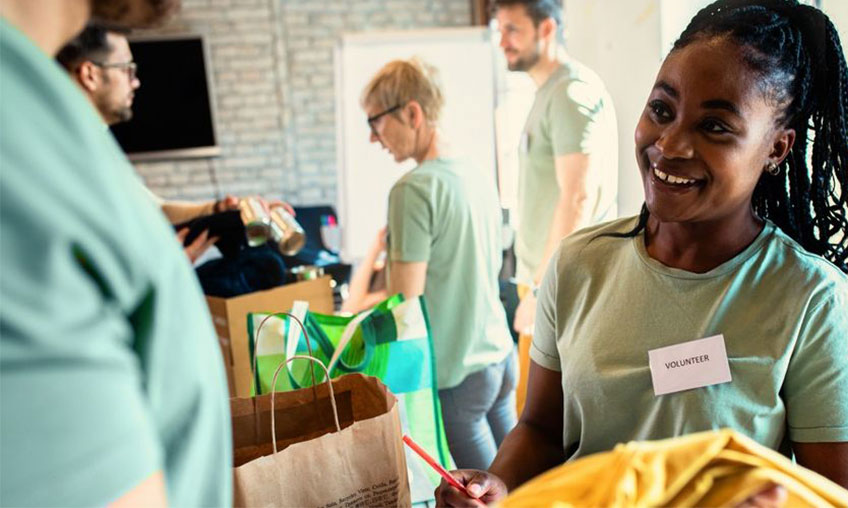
693,364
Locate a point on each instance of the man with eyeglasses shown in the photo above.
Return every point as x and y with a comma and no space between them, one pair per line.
100,62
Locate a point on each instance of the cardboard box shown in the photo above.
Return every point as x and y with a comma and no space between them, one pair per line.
230,318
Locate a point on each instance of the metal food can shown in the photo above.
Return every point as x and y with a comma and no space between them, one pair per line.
256,221
286,232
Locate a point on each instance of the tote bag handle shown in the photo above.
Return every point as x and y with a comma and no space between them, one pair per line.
254,371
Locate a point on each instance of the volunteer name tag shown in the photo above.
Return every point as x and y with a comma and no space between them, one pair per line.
693,364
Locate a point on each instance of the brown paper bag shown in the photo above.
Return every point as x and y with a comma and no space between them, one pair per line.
336,446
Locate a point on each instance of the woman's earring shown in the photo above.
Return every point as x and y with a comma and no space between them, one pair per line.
773,169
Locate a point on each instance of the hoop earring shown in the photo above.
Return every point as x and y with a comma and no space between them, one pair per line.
773,169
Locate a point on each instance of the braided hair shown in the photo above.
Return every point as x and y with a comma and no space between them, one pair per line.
797,53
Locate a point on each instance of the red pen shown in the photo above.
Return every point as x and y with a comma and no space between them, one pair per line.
435,465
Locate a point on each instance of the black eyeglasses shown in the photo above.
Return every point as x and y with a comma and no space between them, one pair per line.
129,67
372,119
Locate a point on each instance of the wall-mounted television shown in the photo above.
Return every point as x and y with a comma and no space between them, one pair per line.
173,113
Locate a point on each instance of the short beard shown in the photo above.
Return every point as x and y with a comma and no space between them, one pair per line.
525,63
124,115
117,116
110,114
133,13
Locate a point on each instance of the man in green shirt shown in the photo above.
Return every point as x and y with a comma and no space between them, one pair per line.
112,386
568,155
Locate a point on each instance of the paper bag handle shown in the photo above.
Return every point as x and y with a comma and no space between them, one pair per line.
253,376
274,383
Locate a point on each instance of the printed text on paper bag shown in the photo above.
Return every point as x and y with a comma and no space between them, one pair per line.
380,494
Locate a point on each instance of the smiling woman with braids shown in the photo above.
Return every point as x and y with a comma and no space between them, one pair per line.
743,149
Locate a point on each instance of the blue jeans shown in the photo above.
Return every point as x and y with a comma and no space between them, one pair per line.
479,413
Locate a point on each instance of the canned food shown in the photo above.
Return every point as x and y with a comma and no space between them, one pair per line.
256,221
286,232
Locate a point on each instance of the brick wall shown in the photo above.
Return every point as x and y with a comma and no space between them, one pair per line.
272,71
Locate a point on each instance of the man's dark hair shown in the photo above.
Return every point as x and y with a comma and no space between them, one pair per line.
90,44
538,11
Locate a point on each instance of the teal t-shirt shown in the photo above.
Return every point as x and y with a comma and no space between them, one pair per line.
446,213
783,312
572,114
109,367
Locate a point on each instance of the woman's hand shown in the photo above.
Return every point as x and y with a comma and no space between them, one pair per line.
773,496
484,486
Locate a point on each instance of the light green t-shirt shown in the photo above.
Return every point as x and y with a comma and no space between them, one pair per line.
446,213
109,367
604,303
572,113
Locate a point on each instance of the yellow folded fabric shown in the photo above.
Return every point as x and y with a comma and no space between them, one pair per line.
714,468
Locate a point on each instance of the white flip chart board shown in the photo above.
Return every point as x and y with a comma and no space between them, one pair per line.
465,58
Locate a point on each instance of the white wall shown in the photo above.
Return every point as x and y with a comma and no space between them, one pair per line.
674,17
838,12
623,41
620,40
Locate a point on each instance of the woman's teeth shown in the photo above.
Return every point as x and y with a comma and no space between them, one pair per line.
674,180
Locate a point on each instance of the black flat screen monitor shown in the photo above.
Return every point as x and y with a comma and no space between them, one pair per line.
172,111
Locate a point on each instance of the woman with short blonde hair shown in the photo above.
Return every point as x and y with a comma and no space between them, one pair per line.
401,81
443,241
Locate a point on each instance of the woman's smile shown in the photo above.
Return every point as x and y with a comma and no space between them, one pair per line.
674,181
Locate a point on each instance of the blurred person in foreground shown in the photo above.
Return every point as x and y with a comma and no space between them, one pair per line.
112,385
